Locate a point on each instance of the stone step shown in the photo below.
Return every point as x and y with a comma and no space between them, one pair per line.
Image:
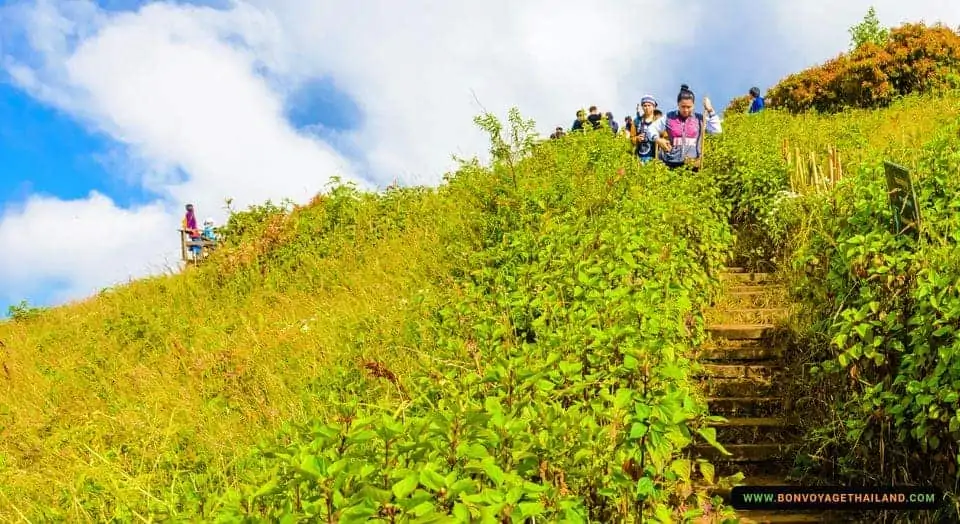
743,353
749,315
734,269
766,452
739,331
757,289
777,422
739,371
743,277
749,299
756,430
744,406
735,387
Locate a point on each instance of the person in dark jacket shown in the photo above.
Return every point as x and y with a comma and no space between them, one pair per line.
578,123
594,117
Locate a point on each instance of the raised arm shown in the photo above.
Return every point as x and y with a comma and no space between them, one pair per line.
713,124
656,127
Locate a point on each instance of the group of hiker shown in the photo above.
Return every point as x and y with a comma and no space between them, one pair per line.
675,138
196,234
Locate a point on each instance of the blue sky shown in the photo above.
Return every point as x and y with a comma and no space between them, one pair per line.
150,104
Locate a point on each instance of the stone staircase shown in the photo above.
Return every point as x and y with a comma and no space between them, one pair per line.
743,378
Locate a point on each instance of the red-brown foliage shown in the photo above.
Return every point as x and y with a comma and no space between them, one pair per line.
916,59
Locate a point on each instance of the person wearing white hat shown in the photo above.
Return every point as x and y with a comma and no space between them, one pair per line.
645,148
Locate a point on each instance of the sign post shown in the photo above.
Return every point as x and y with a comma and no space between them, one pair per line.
903,199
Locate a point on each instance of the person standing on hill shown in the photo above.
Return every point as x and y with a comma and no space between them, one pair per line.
614,126
189,225
594,117
578,123
644,146
756,101
628,128
685,129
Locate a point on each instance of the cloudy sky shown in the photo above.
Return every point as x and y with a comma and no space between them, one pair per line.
115,113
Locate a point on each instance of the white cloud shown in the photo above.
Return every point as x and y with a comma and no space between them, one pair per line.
82,245
201,92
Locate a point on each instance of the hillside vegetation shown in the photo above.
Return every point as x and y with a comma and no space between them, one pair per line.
514,343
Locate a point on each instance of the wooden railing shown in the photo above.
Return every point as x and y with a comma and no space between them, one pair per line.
186,243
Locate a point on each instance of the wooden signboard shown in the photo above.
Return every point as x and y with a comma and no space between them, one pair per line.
903,199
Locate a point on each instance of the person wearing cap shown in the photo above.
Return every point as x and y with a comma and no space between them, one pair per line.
208,232
645,148
756,104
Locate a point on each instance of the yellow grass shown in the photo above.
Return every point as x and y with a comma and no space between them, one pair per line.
212,378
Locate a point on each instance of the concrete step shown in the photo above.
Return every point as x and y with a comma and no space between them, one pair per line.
748,315
739,371
750,299
743,277
777,422
735,288
739,331
766,452
756,430
734,269
742,353
744,406
735,387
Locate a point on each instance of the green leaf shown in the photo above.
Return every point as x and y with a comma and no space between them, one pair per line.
682,469
311,466
638,430
645,487
405,487
432,480
531,509
359,513
710,435
708,472
662,513
461,513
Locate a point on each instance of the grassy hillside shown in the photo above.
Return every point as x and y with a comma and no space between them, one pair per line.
514,342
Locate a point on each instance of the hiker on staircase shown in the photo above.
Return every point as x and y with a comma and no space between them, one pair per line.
686,130
645,148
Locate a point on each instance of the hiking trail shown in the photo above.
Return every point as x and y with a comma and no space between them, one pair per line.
745,377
